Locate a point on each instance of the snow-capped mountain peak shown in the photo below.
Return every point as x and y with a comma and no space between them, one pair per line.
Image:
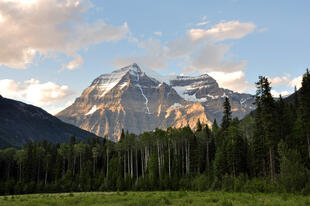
106,82
141,100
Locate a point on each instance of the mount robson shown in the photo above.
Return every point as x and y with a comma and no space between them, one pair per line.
140,100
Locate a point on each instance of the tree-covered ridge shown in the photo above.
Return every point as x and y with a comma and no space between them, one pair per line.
267,151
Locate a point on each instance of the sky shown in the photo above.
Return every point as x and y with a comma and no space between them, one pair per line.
51,50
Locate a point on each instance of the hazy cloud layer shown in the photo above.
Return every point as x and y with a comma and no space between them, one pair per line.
277,94
235,81
223,31
296,82
201,50
286,80
34,92
48,27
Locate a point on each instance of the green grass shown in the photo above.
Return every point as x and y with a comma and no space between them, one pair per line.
155,198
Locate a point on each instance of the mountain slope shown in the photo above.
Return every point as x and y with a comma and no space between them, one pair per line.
205,89
20,122
132,99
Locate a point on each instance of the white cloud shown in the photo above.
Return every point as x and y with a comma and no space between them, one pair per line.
158,33
199,50
278,81
75,63
212,58
181,48
223,31
296,82
188,47
202,23
277,94
49,27
286,80
234,80
34,92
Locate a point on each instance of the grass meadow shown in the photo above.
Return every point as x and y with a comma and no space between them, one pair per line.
155,198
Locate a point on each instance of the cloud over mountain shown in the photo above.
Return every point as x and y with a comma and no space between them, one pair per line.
49,27
202,50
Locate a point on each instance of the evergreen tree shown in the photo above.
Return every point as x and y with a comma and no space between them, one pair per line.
272,138
266,116
198,126
293,175
305,107
122,137
226,115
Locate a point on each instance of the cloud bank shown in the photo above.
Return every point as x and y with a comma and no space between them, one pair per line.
201,50
49,27
287,81
34,92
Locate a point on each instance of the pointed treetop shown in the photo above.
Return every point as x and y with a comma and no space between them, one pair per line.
198,126
227,114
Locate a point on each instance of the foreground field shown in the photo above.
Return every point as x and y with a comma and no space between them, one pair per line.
154,198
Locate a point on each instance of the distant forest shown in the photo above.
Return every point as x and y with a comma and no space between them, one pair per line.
267,151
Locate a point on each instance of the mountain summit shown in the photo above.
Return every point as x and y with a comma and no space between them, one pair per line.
138,101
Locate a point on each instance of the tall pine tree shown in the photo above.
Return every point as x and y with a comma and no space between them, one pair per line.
227,114
266,117
305,107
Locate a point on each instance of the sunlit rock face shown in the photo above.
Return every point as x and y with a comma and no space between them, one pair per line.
137,101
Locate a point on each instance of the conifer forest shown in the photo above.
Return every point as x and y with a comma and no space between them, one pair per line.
267,151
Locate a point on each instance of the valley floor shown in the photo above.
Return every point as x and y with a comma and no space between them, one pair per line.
154,198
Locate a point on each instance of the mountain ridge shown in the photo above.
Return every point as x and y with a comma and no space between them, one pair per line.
21,122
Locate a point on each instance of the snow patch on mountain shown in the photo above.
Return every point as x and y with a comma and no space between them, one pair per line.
203,76
212,97
121,86
184,93
92,110
106,82
146,100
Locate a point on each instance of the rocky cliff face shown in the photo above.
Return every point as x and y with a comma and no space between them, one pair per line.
205,89
131,99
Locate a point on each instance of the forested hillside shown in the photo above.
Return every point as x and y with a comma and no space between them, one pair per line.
265,152
20,122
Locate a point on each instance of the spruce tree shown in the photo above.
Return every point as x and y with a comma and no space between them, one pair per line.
305,107
198,126
227,114
266,119
122,137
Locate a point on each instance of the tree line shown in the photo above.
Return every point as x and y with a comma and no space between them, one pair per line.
267,151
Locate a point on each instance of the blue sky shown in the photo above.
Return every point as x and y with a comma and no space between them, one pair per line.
50,50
